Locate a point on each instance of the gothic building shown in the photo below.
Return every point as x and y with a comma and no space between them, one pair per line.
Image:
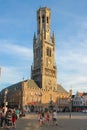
42,88
43,71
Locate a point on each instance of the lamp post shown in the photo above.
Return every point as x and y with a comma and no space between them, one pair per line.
37,108
70,107
19,102
40,100
51,106
5,96
70,103
58,102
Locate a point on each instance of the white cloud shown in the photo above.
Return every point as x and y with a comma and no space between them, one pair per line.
11,75
13,49
14,71
74,82
71,58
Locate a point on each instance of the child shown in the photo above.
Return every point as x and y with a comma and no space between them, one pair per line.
14,118
47,117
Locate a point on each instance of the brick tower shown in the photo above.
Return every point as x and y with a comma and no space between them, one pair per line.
43,69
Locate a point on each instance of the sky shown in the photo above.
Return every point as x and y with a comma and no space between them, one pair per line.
17,26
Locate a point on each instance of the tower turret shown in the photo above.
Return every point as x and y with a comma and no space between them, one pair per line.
53,38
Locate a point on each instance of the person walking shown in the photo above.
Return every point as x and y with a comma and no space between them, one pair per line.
8,119
40,119
17,112
54,117
47,117
14,118
3,114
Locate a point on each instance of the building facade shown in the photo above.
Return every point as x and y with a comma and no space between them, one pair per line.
42,89
79,101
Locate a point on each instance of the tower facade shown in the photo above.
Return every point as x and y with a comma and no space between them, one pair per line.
43,69
42,88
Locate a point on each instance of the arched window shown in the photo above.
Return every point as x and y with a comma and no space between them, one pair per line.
48,52
39,19
47,20
43,19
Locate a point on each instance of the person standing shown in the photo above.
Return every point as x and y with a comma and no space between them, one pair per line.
47,117
3,114
14,118
40,118
8,119
17,112
54,117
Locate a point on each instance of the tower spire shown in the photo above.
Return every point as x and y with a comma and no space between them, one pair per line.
34,38
53,38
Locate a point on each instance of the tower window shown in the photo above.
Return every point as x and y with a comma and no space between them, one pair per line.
49,52
43,19
47,20
39,19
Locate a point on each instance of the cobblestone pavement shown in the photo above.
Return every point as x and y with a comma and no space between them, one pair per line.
78,121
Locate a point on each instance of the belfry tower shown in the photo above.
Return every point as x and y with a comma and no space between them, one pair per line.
43,69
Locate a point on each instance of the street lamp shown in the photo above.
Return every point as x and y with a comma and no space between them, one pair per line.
70,101
19,96
70,106
51,106
40,95
5,96
59,103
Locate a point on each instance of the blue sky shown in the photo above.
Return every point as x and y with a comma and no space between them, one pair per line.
17,26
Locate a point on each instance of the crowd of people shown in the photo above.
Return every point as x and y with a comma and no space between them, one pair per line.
45,118
8,117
